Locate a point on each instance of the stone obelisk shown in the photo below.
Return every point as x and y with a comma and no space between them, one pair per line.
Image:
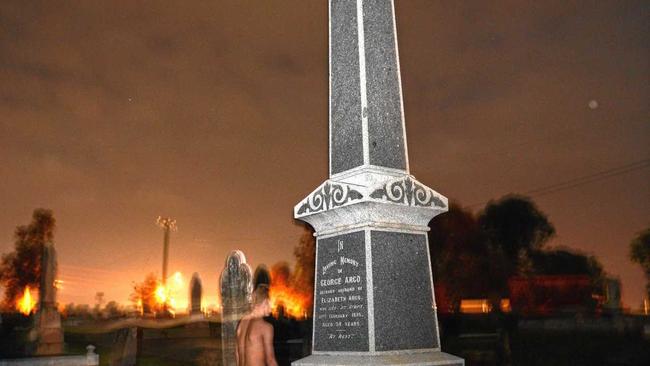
373,300
47,333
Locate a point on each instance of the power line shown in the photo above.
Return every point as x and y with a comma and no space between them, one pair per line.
579,181
589,179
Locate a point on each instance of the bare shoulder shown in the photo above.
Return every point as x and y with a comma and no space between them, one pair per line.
262,325
242,325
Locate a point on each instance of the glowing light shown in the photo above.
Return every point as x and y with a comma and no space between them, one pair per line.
505,305
475,306
140,307
161,294
478,306
26,303
166,222
168,296
293,302
178,279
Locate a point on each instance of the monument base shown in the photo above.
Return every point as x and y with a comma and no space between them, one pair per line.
410,359
47,333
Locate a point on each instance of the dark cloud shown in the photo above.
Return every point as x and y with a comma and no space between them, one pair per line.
216,113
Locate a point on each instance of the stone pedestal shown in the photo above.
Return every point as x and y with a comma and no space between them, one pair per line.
373,300
405,359
47,333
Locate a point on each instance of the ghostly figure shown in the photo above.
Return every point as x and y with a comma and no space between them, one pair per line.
236,289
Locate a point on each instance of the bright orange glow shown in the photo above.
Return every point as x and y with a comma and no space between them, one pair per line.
474,306
294,302
478,306
283,293
140,307
505,305
168,296
58,284
26,303
161,294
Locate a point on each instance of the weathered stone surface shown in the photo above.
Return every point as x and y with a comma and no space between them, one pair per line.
366,114
387,145
46,333
345,98
374,300
371,199
410,359
341,302
400,271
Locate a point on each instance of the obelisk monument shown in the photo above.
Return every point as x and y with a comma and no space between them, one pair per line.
47,333
373,300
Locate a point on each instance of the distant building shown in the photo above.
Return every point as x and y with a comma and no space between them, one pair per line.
540,295
546,295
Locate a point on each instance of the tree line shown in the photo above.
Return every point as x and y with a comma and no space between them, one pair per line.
474,253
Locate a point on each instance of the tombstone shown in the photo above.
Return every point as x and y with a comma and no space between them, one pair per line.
196,291
47,334
374,299
236,289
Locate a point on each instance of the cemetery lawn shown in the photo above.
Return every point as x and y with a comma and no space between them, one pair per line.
544,348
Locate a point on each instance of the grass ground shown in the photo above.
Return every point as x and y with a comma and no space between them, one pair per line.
543,347
178,346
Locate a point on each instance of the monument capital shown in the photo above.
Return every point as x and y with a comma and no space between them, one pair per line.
391,202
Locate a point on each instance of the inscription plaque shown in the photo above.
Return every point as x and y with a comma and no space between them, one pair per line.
341,306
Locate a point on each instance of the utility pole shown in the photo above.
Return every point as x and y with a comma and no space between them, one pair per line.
168,224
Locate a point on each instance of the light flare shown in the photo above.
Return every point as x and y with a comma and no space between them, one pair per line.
292,301
286,294
58,284
26,303
167,296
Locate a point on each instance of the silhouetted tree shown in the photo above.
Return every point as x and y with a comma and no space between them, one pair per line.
305,253
640,253
458,256
513,227
569,262
293,290
113,310
144,294
22,267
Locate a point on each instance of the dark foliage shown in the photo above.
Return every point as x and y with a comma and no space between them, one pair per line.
22,267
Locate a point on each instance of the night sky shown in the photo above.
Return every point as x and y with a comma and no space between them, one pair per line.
215,113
